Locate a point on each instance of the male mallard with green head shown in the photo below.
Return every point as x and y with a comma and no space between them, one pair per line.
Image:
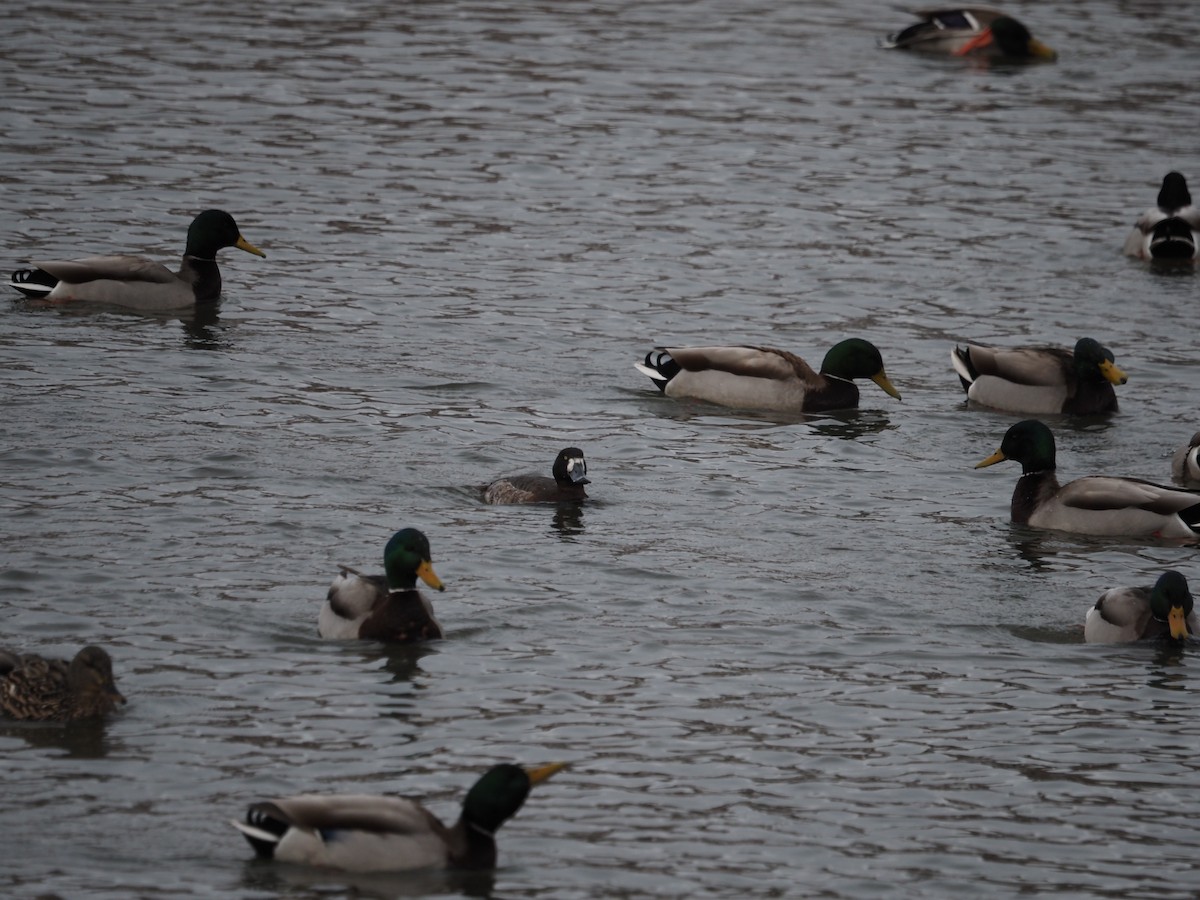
369,833
385,607
1040,380
1163,610
978,31
137,282
763,378
1094,504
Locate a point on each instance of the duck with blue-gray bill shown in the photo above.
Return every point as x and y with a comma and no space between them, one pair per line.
565,483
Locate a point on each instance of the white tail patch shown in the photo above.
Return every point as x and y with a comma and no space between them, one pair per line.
257,833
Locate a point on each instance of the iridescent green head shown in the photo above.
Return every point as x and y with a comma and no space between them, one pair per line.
502,790
856,358
1094,361
1030,443
407,558
1171,602
215,230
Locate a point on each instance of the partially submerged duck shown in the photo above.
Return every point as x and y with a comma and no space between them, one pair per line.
36,688
1163,610
765,378
137,282
1040,380
1185,463
569,476
1169,230
1094,504
385,607
970,31
370,833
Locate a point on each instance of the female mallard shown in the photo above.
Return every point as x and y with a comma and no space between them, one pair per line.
974,31
764,378
1133,613
32,687
570,475
385,607
1185,464
1040,380
1095,504
1169,230
368,833
137,282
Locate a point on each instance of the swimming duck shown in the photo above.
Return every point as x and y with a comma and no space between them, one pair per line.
570,475
1040,380
385,607
1185,464
137,282
1095,504
765,378
32,687
1169,230
369,833
975,31
1133,613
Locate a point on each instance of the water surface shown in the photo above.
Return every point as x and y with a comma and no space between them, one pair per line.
783,657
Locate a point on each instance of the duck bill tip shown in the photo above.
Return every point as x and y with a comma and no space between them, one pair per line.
543,772
996,457
1113,373
885,383
243,244
426,574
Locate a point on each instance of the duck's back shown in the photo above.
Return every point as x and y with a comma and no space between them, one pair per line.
353,832
531,489
34,688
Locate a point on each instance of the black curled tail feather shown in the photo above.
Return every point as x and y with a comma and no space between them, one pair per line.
660,367
265,828
1172,238
967,373
33,282
1191,515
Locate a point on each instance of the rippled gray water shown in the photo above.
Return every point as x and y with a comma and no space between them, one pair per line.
784,658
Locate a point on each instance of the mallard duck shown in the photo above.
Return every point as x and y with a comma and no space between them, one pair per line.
137,282
1040,380
1095,504
570,475
1185,464
973,31
370,833
32,687
765,378
1169,230
1133,613
385,607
